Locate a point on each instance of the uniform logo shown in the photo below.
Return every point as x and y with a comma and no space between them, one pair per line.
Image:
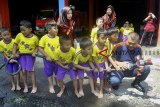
104,53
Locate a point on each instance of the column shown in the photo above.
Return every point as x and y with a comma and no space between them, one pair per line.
4,13
151,5
90,14
158,41
62,3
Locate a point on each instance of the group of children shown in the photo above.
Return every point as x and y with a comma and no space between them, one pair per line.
61,57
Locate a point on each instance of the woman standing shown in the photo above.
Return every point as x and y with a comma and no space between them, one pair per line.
149,29
66,23
109,18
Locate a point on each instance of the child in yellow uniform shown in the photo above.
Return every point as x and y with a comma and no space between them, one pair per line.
112,34
64,56
100,61
27,45
112,40
83,62
6,48
126,29
47,46
99,23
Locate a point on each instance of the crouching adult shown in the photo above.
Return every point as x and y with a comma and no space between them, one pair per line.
126,54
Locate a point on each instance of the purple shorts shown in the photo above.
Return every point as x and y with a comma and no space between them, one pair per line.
27,62
124,38
80,72
50,67
100,74
62,71
11,67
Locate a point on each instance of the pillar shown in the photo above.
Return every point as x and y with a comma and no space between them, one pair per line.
62,3
158,41
90,14
4,14
151,5
66,3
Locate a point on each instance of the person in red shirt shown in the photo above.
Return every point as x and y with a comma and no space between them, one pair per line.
66,23
109,18
149,29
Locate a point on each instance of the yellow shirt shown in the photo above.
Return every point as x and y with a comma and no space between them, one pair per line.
80,59
110,47
7,48
26,45
96,53
65,58
49,45
94,34
126,31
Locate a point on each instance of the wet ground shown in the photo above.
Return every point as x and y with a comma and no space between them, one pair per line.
125,96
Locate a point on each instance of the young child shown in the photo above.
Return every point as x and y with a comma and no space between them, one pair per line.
99,23
47,46
125,30
64,56
112,40
100,61
27,45
82,61
6,48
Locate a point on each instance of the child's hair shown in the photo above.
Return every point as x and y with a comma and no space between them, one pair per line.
133,36
26,23
4,30
63,38
85,42
100,18
131,24
111,30
101,31
63,15
50,24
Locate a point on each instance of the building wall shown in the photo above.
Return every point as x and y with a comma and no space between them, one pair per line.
4,12
0,21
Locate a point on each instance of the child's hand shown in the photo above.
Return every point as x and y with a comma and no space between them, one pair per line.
88,69
74,68
66,67
48,58
15,56
95,70
108,69
12,61
123,65
118,68
34,54
101,69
